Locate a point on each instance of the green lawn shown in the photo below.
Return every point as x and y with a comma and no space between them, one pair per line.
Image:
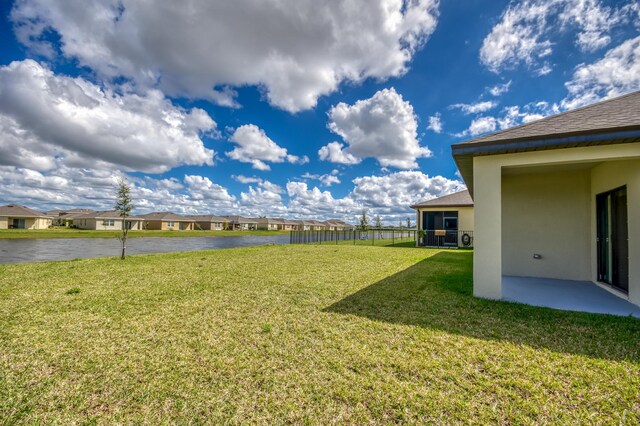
300,334
85,233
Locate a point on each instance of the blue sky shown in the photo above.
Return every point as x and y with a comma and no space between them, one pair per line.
286,108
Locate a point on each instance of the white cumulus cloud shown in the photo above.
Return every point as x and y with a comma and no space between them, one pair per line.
255,147
617,73
510,116
475,108
46,119
296,50
383,127
335,153
326,179
435,123
525,32
499,89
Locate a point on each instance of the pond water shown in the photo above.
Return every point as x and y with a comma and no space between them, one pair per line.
48,249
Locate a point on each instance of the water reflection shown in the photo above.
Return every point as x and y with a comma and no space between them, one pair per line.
42,250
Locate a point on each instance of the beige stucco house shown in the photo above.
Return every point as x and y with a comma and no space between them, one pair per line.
289,225
208,222
303,225
13,216
446,221
559,198
240,223
167,221
269,224
66,217
106,221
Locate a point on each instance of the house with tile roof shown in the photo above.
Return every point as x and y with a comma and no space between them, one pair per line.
14,216
558,201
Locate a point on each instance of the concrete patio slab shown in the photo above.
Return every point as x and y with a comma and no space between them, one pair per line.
565,295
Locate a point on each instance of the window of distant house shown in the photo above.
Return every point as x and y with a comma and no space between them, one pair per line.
170,223
108,222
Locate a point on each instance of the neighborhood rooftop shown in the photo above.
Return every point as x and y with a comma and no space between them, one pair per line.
15,210
458,199
164,216
107,214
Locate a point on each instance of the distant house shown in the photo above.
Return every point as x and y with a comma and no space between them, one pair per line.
303,225
276,224
289,225
337,225
208,222
269,224
167,221
329,226
316,225
240,223
446,220
106,221
13,216
66,217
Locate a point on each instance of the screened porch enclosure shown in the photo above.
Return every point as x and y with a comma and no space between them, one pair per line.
440,229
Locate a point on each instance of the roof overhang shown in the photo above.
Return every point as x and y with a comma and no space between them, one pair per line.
439,206
463,153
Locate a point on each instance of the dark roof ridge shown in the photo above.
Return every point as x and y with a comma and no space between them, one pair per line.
553,117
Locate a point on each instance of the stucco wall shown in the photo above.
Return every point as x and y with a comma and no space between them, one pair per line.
41,223
612,175
29,223
164,225
209,226
487,182
547,214
97,224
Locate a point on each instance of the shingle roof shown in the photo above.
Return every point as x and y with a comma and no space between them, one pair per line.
75,214
612,114
108,214
165,216
240,219
20,211
612,121
269,220
457,199
59,212
206,218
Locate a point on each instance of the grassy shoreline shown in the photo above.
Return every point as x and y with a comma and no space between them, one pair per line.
85,233
300,334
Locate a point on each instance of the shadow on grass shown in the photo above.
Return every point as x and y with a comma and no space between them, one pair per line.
437,294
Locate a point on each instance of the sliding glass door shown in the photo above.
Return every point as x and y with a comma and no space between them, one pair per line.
613,238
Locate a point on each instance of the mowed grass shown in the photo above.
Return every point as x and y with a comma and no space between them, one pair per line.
300,334
87,233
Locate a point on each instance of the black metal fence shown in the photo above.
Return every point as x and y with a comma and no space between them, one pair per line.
386,237
373,237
